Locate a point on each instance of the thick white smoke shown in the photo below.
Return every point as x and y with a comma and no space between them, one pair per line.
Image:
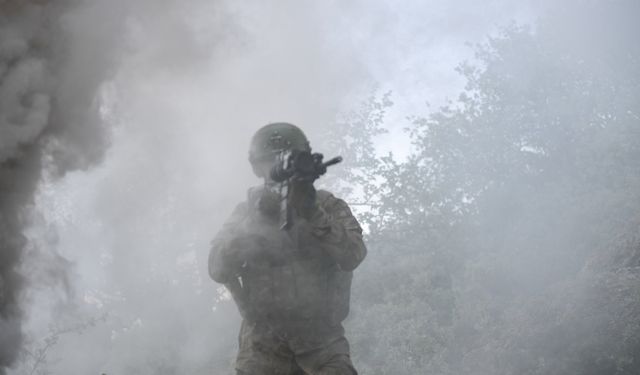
129,238
115,255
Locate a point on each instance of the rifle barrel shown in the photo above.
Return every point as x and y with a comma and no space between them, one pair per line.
333,161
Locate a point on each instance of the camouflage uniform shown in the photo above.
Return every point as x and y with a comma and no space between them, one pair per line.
294,299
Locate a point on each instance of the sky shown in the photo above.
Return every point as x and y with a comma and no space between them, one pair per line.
179,91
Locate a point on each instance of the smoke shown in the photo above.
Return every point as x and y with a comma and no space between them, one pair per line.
129,237
24,110
48,84
183,85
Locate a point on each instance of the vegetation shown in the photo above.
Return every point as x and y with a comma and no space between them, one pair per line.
507,243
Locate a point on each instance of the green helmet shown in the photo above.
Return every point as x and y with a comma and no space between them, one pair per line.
273,138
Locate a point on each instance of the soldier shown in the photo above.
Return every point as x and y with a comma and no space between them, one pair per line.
292,286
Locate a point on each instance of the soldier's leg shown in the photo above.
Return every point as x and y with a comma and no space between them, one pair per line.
295,371
330,359
262,352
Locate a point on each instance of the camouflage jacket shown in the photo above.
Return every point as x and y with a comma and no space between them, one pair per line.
310,275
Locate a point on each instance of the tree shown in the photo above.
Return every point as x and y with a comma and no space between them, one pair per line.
507,242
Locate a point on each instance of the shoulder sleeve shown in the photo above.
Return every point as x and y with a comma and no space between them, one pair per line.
338,231
223,263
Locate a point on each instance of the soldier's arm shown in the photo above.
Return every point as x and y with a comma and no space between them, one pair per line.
224,259
338,232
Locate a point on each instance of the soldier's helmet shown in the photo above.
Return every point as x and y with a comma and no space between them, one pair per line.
272,139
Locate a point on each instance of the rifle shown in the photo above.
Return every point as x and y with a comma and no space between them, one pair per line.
296,166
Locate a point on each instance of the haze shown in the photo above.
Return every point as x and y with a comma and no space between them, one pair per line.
124,132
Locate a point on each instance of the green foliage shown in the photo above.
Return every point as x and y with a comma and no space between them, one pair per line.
507,242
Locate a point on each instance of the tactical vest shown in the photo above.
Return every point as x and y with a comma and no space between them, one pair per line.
303,284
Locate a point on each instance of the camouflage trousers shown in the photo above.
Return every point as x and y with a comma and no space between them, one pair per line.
311,348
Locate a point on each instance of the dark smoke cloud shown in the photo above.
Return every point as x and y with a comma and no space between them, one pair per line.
49,77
